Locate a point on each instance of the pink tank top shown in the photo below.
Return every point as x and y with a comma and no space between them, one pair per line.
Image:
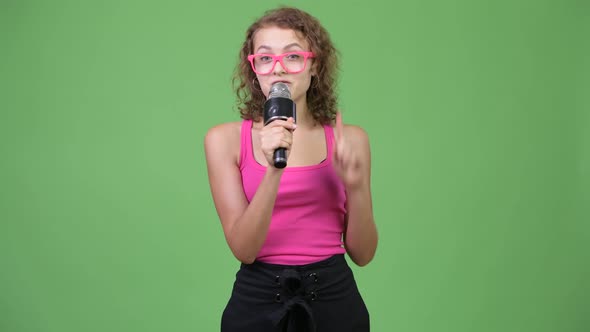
308,216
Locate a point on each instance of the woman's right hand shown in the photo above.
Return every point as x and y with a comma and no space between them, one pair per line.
277,134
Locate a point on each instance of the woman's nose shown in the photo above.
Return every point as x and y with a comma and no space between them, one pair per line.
279,68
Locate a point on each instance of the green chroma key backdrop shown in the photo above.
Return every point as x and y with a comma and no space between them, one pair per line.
478,115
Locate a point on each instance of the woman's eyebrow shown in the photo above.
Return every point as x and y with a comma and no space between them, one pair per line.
292,45
268,48
262,47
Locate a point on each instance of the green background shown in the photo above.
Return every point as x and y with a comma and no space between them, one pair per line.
478,115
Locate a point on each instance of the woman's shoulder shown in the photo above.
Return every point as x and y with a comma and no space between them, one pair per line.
353,131
224,131
224,137
222,143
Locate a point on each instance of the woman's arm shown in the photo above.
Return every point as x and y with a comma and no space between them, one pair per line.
245,225
352,160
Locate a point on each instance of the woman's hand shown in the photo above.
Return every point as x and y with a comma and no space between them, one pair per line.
352,163
277,134
348,161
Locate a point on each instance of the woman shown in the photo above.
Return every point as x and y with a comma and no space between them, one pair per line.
290,227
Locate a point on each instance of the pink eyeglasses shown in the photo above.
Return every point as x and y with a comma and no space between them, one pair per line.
292,62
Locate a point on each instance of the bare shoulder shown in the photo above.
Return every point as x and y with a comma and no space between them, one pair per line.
223,137
359,139
224,131
354,133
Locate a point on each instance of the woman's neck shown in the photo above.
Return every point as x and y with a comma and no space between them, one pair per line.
304,118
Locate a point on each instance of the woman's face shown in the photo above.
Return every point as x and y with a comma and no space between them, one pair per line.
275,40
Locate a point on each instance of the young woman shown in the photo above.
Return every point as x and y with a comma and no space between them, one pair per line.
290,227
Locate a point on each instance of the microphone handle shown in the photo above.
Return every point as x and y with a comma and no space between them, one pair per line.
280,158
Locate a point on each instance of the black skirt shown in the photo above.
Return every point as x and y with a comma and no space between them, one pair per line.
317,297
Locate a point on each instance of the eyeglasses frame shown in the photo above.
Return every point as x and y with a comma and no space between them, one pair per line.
279,58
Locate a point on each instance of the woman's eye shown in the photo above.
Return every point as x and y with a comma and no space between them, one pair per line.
293,57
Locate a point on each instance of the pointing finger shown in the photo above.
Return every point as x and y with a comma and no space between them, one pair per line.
339,126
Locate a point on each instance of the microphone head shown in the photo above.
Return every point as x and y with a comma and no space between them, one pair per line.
279,89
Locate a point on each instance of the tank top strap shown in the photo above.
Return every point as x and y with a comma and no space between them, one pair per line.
245,143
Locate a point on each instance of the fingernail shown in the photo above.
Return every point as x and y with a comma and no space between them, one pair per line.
294,126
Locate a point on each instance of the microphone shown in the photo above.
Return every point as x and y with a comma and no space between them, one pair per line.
279,106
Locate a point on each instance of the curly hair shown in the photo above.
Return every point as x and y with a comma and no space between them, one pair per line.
321,95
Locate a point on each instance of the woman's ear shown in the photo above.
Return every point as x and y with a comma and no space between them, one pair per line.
314,69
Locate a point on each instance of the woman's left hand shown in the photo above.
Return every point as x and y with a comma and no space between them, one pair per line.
349,156
352,163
